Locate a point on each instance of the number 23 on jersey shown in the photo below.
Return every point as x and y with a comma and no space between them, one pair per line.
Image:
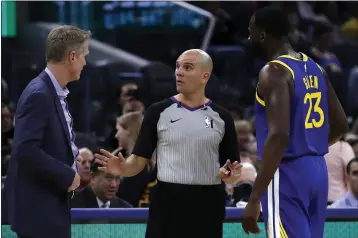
313,100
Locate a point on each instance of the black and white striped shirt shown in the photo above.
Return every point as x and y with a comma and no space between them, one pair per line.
191,143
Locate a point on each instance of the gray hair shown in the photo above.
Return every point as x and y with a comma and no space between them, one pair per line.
64,39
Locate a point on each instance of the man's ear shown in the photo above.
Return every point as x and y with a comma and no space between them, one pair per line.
206,77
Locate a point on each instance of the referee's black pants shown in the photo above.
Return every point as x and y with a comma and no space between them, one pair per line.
186,211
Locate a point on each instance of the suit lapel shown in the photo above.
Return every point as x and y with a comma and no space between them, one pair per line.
58,105
63,120
113,203
91,198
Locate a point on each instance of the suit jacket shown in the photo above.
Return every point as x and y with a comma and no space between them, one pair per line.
87,199
40,172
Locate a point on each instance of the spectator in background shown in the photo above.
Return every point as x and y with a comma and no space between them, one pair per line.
136,189
84,166
132,105
350,200
4,92
243,188
128,91
128,100
353,141
101,193
252,152
128,126
355,147
355,127
350,27
7,134
320,50
352,91
337,160
6,117
244,134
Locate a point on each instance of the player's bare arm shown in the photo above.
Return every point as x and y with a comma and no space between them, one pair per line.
274,87
338,124
129,167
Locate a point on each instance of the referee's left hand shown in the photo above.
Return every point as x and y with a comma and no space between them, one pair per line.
110,163
230,172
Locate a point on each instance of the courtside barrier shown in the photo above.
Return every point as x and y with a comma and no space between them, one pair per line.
131,223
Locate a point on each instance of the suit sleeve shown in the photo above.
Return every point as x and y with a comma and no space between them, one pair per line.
228,146
31,122
148,136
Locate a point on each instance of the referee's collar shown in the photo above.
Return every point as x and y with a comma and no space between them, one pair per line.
188,107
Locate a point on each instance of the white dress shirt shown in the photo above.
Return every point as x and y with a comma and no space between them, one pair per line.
101,204
62,94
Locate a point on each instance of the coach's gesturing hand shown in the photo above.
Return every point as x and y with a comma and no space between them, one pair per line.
230,172
111,163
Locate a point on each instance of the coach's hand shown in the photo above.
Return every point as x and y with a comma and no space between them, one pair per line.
249,217
76,182
110,163
230,172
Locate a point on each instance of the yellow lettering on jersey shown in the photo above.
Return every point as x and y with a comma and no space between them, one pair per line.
305,81
310,82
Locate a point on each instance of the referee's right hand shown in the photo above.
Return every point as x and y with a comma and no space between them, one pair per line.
110,163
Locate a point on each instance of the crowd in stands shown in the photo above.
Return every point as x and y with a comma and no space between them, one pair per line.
326,31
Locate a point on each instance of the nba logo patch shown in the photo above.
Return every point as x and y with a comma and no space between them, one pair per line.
208,122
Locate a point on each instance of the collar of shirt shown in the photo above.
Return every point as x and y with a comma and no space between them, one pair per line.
100,203
61,92
351,199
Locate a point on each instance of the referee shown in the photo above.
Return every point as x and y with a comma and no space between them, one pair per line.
196,146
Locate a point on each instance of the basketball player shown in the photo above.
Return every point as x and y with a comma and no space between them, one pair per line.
298,116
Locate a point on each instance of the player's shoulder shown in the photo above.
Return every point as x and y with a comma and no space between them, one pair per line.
222,111
277,70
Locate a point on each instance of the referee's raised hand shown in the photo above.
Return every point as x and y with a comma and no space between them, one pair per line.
110,163
230,172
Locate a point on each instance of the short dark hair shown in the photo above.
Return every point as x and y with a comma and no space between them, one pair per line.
273,21
349,165
94,167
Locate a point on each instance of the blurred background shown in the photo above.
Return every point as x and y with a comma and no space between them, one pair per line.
131,65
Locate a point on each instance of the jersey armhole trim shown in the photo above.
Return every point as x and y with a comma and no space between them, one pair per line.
284,65
259,100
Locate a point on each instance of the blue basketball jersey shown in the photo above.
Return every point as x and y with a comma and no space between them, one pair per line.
309,110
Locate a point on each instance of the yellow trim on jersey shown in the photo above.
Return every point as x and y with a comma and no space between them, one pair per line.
305,57
285,65
282,230
259,100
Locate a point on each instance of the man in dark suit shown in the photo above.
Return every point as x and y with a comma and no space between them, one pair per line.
101,192
42,173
